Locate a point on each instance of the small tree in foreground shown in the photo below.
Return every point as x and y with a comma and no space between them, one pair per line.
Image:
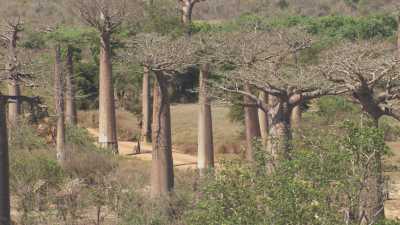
371,75
320,184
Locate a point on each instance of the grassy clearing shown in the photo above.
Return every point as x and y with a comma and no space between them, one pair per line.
227,135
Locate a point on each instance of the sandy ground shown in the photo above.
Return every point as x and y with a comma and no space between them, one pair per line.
126,149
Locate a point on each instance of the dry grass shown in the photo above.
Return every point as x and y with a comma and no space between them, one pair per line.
227,135
184,129
127,123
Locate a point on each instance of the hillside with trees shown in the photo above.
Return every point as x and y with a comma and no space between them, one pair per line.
199,112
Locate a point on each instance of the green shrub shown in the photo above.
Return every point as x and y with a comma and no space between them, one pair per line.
335,108
79,138
34,180
25,137
317,185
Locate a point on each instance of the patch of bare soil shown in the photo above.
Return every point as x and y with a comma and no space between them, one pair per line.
126,149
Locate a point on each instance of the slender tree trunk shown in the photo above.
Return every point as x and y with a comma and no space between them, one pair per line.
251,123
107,119
280,134
146,107
14,107
296,116
205,152
162,173
187,11
372,199
5,218
263,119
70,111
398,34
59,105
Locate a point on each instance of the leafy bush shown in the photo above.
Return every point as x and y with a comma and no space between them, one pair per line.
335,26
334,108
34,178
25,137
320,183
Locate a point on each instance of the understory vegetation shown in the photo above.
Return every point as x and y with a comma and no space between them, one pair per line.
200,112
320,184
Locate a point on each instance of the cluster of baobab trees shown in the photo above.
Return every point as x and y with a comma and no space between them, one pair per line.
266,68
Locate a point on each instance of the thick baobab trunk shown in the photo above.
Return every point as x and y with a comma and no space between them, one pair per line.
146,107
280,135
59,106
107,120
205,151
263,118
296,116
5,218
372,198
70,104
162,173
251,123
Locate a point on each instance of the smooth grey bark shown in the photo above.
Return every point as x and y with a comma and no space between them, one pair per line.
70,104
251,123
5,218
59,106
187,11
107,119
296,116
14,107
263,118
280,134
14,89
162,173
146,107
205,151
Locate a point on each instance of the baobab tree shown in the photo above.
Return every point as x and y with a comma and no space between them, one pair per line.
268,65
71,114
164,57
370,72
146,107
205,148
59,105
263,118
243,50
207,47
69,39
187,10
10,36
5,218
105,16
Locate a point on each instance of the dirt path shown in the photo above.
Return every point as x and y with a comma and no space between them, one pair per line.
392,163
181,161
